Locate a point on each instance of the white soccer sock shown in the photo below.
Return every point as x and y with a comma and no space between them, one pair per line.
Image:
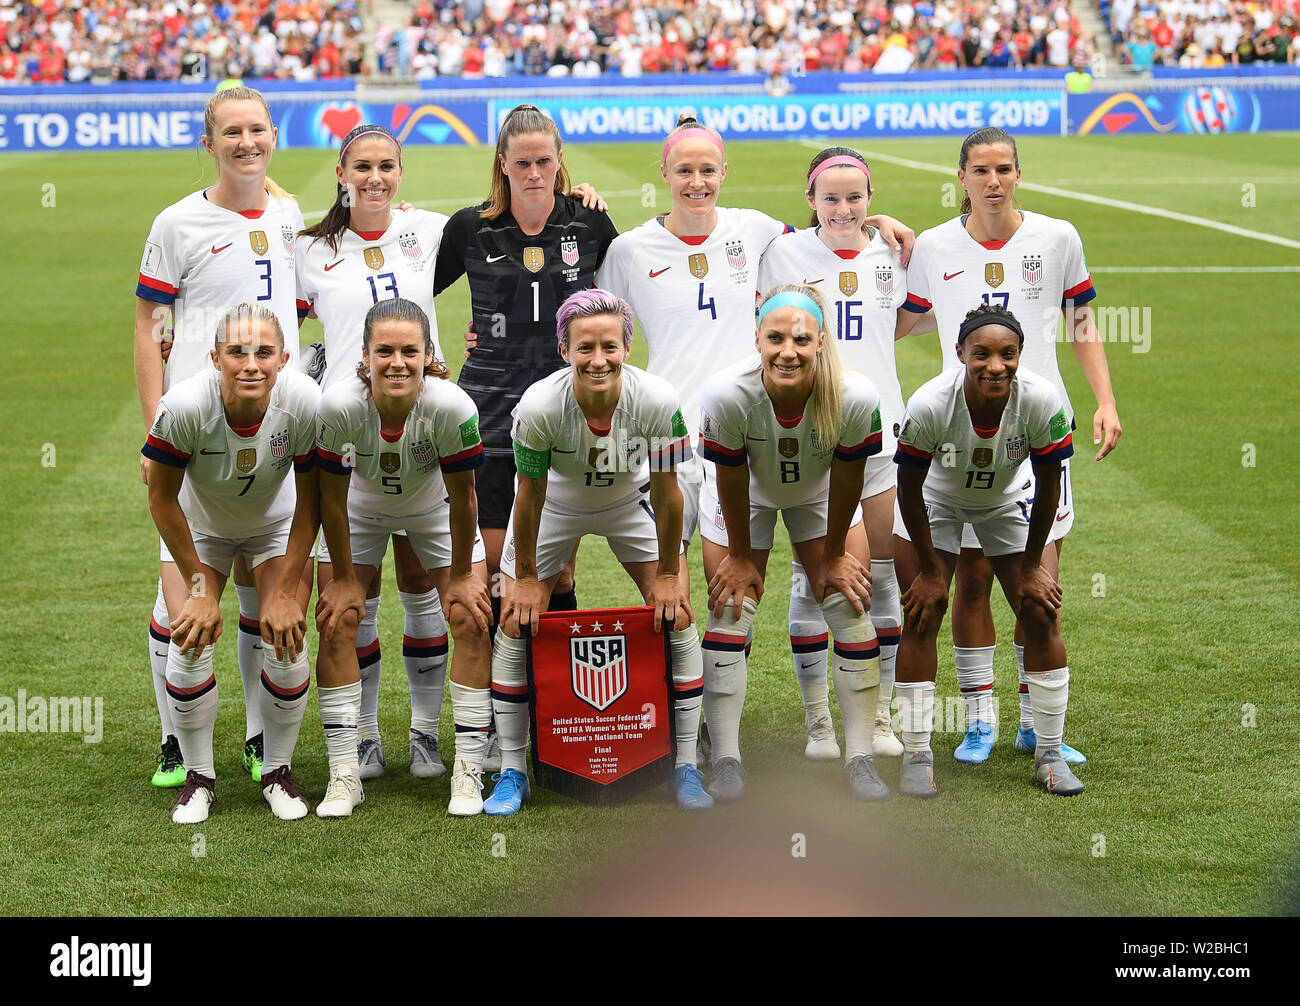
510,700
1049,691
726,676
856,674
688,688
340,708
916,709
424,652
192,691
284,700
471,708
809,639
250,654
371,664
887,617
1026,706
159,639
975,679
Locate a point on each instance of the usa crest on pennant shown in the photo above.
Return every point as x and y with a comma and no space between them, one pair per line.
598,668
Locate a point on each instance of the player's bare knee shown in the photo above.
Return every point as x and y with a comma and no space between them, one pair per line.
464,626
1037,622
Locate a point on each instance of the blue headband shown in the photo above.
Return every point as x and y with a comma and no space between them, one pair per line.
791,298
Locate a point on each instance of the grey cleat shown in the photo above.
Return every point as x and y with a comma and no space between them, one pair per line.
425,760
916,777
1055,774
370,758
728,782
492,757
864,782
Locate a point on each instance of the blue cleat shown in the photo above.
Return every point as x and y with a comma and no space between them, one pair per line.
687,785
977,746
508,795
1028,743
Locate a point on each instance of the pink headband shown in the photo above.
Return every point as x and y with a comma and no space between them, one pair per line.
839,161
688,130
377,131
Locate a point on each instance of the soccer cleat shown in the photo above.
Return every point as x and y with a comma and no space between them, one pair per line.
426,763
492,758
916,776
883,742
466,790
728,782
279,791
1027,741
508,795
253,757
686,784
864,781
977,745
171,766
703,748
343,793
370,758
821,744
197,795
1053,773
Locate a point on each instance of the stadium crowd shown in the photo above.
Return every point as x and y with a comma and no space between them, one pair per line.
100,41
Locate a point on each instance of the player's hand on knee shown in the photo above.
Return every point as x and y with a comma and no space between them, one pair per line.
1038,586
337,599
471,593
199,624
284,626
846,574
668,597
924,603
731,581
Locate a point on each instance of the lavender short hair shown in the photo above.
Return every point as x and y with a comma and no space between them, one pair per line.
587,304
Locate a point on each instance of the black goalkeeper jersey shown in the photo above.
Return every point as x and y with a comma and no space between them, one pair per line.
517,282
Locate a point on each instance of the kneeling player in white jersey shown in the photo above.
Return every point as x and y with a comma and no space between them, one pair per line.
863,278
219,451
1033,265
586,440
984,419
365,250
412,439
790,433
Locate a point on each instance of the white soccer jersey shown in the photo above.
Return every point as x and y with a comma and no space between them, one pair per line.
201,260
1033,275
592,469
789,463
236,484
981,469
694,301
368,267
864,290
401,476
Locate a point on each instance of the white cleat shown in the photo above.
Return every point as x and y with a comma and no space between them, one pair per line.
821,744
343,793
279,791
196,796
466,790
883,742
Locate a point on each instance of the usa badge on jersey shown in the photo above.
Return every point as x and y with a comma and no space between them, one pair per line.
736,254
258,241
246,459
994,274
1017,447
422,451
286,232
788,447
1032,269
569,251
374,257
410,245
389,462
848,283
884,278
280,445
699,265
534,258
982,457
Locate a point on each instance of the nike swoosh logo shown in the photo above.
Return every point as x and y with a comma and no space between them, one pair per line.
736,661
332,265
218,251
804,667
811,282
948,276
202,451
422,670
659,272
494,258
1063,516
157,654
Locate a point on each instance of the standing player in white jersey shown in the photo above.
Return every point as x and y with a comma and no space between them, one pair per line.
863,278
363,251
411,437
790,433
218,456
1033,265
218,247
587,440
985,419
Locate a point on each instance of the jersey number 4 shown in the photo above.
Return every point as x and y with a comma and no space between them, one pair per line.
708,305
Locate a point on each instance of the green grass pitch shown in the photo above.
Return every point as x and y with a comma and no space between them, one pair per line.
1180,581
